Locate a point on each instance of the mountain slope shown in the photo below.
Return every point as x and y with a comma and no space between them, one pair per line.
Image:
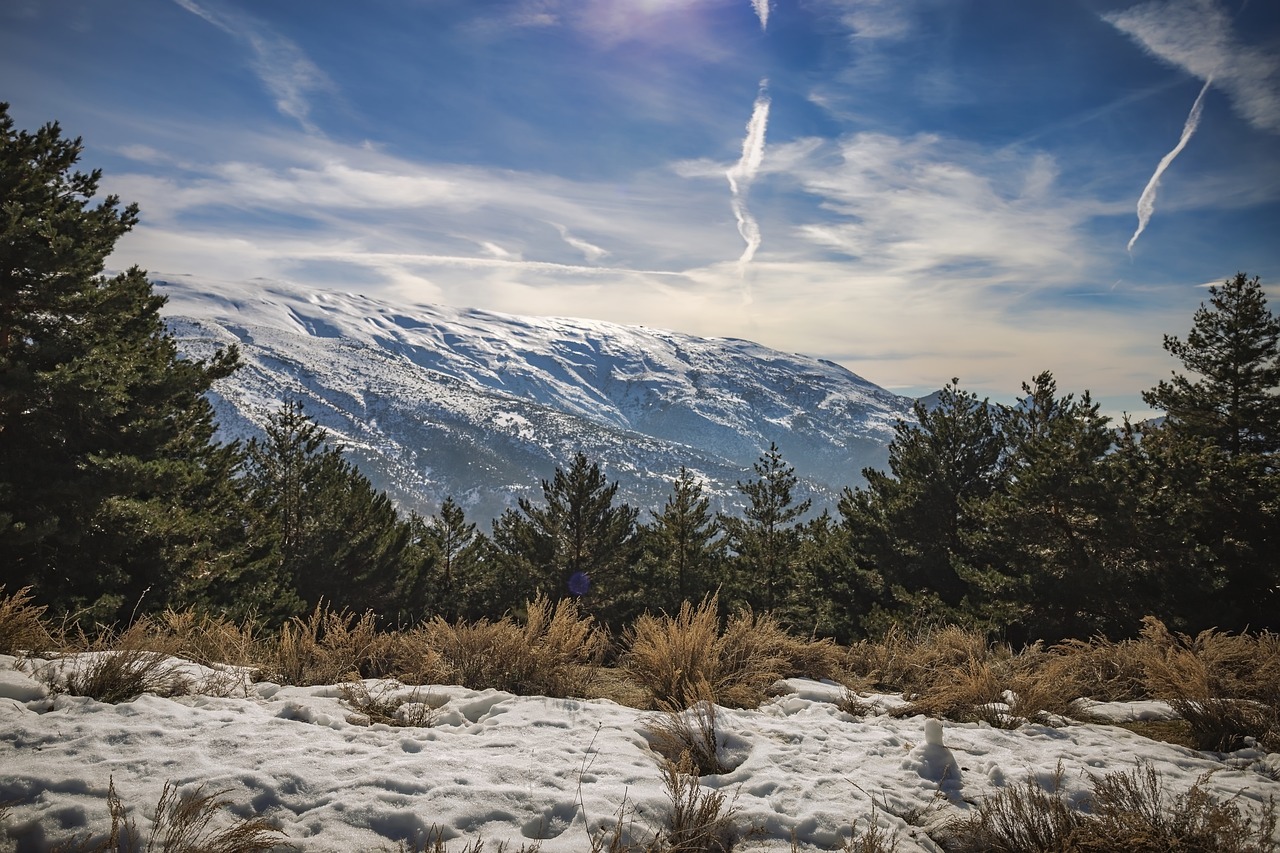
434,401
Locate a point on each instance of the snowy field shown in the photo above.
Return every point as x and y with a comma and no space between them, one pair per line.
515,769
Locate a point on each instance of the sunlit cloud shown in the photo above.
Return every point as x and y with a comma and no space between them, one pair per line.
1147,201
926,203
284,70
1197,36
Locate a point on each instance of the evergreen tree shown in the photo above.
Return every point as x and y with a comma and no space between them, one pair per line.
577,542
1212,525
765,542
1234,346
914,525
333,535
457,553
683,552
113,495
1051,531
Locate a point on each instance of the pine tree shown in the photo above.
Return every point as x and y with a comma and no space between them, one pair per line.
683,552
913,526
765,542
335,538
456,569
1212,520
113,495
1051,531
577,542
1234,346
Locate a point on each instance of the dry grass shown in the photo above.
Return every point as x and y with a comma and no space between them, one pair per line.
555,653
22,626
118,668
688,738
385,705
700,820
1128,812
911,662
1227,687
210,639
876,839
327,647
686,658
181,823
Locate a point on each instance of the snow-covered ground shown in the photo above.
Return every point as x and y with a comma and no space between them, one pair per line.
513,769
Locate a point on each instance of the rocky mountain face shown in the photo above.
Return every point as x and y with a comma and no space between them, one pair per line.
433,401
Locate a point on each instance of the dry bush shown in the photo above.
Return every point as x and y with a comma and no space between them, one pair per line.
434,842
700,821
911,662
876,839
1098,669
1023,818
749,638
685,659
676,657
1128,812
968,693
688,738
383,705
181,824
853,704
410,657
118,668
22,626
1226,687
210,639
555,653
326,647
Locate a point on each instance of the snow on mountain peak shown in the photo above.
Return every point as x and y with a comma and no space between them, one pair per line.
434,400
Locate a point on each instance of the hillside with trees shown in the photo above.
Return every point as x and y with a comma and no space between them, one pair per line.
1037,520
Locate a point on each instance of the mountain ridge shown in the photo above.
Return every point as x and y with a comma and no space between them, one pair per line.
434,400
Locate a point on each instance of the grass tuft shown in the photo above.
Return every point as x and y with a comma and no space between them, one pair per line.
1128,811
555,653
21,624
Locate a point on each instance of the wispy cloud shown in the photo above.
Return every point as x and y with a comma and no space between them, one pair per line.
742,173
590,251
1147,201
929,203
282,67
1197,36
762,12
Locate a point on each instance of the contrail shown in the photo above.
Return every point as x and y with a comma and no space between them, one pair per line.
762,12
744,171
1147,201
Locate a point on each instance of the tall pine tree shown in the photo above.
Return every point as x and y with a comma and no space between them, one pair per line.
683,551
765,541
113,495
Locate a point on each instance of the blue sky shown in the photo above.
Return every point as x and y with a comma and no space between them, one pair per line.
917,189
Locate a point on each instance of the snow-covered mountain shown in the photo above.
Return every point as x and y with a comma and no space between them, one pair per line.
433,401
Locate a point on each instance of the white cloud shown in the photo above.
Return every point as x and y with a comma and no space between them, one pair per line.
1147,201
742,173
1197,36
924,203
761,8
282,67
589,251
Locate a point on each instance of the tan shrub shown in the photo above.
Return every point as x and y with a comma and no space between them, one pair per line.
22,627
555,653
